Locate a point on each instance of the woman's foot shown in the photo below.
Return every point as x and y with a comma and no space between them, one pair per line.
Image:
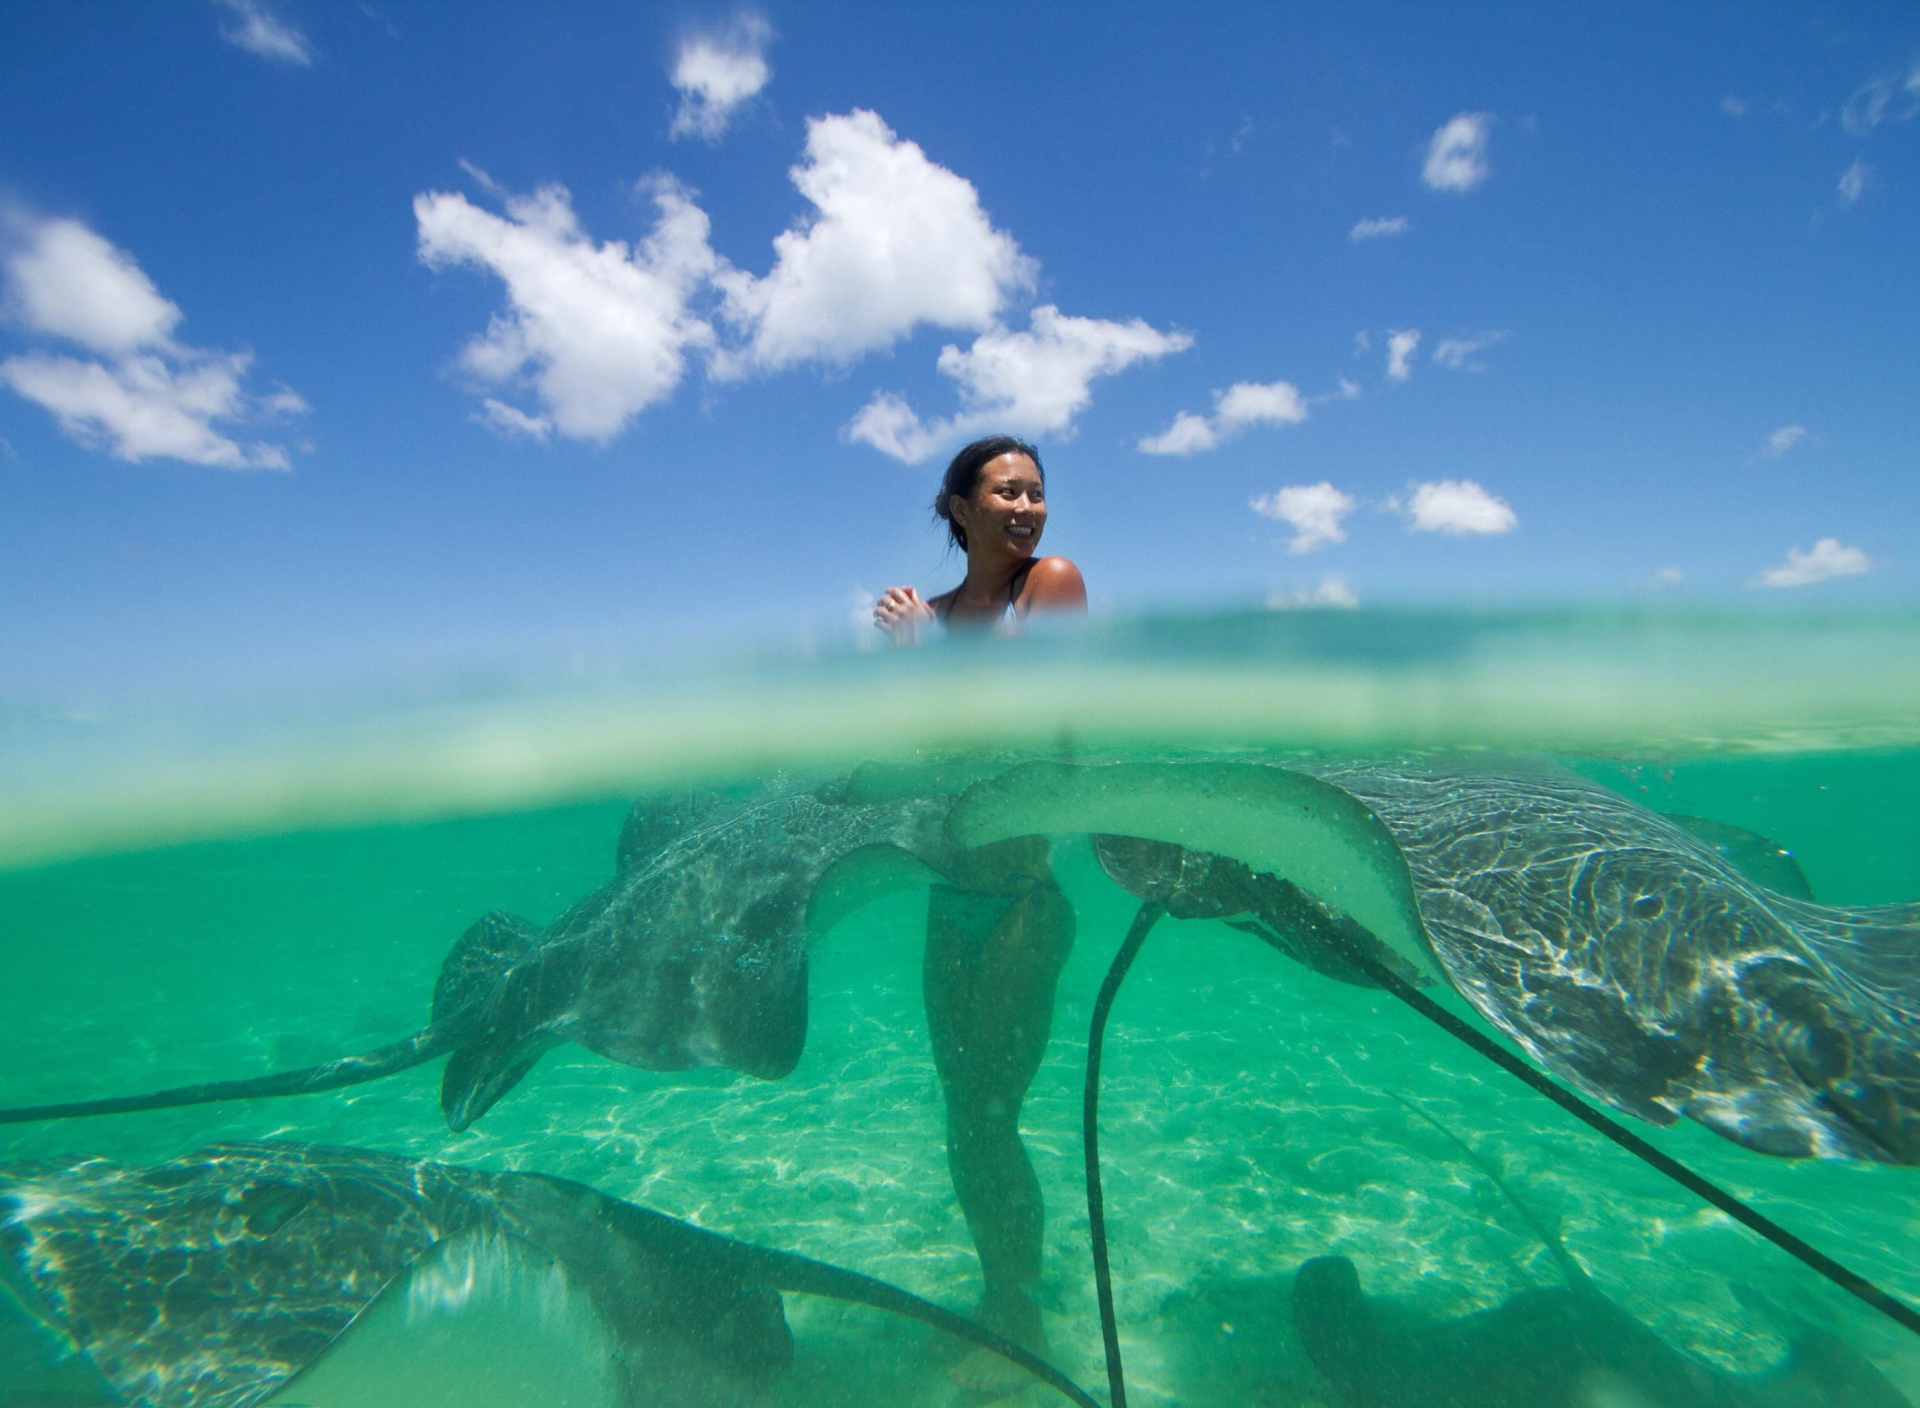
987,1374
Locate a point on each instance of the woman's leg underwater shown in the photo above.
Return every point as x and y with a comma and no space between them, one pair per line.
993,959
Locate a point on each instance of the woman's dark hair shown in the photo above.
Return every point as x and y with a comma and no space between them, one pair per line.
963,476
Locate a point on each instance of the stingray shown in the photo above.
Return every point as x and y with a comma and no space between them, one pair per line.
1560,1347
1564,1347
215,1279
695,955
1627,953
1189,884
1623,952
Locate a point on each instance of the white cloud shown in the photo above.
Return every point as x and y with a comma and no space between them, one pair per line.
1732,106
146,406
255,28
511,420
1259,403
1457,354
1854,181
1027,383
1459,508
717,72
1188,435
480,177
1333,592
1888,98
1243,404
1457,155
284,401
65,280
145,395
1362,341
1826,560
1669,577
1782,440
894,428
1314,510
600,330
1400,345
1036,381
895,242
1380,227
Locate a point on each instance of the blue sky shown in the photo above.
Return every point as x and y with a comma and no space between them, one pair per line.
345,339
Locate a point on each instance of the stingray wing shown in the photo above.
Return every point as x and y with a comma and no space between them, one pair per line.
661,819
700,957
1761,859
1875,948
1870,960
1642,965
1272,820
209,1281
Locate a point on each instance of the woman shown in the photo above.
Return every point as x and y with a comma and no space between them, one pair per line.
999,935
994,503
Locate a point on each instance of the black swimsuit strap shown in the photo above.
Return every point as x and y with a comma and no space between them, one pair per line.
943,605
1018,582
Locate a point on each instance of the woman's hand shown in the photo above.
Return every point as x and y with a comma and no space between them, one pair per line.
902,615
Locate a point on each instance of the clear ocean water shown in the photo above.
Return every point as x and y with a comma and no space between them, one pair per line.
214,893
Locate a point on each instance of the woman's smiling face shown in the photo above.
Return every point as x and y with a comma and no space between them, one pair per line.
1007,511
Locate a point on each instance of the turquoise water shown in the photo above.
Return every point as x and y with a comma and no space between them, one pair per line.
1255,1114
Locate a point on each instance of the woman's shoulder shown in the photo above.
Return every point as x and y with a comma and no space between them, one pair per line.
1054,569
1054,583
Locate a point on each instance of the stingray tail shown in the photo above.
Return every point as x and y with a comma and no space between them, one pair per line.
401,1055
465,1021
784,1271
1575,1273
1290,921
